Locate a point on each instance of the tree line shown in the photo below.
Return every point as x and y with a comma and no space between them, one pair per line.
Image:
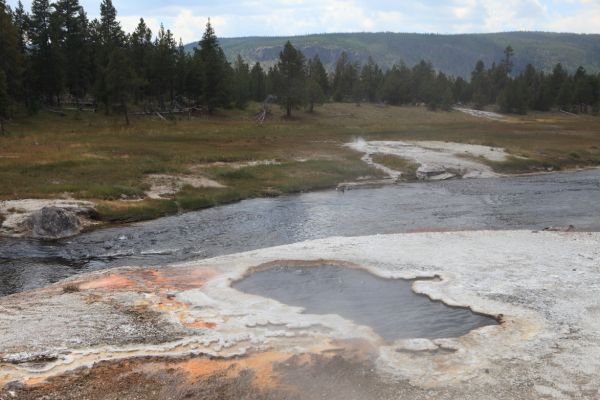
53,55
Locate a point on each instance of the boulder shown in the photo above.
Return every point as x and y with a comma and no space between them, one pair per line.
430,172
53,223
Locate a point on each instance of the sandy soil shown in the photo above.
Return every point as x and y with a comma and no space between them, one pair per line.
164,185
437,160
184,327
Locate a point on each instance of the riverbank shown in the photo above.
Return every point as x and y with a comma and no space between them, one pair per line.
182,330
155,168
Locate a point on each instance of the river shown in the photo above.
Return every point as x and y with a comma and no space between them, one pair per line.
524,202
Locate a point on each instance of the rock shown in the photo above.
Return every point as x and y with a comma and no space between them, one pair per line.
568,228
431,172
53,223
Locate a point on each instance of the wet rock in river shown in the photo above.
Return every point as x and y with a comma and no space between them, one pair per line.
53,223
431,172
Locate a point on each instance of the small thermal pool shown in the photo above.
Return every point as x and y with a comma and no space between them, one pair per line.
388,306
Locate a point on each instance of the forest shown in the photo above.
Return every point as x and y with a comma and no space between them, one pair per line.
53,57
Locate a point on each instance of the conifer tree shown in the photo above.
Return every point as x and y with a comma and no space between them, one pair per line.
21,22
76,58
216,72
241,83
371,78
43,55
110,38
164,65
182,70
479,85
315,93
11,57
120,80
290,78
396,87
4,101
258,78
141,47
319,74
345,79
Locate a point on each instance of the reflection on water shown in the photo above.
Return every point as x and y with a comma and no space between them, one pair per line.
530,202
388,306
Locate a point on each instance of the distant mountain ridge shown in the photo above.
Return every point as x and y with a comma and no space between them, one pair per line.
452,54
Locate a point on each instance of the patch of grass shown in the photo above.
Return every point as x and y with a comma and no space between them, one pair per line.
407,167
123,212
517,165
233,174
196,199
71,288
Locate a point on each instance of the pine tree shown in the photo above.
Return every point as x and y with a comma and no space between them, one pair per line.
4,101
315,93
21,22
290,78
396,87
194,84
43,50
74,45
164,64
258,78
507,63
371,78
319,74
513,97
557,79
241,83
441,96
216,72
461,90
120,80
182,71
345,79
141,49
109,38
479,85
110,29
565,95
422,82
11,58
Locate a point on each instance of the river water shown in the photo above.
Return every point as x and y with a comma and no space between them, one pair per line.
526,202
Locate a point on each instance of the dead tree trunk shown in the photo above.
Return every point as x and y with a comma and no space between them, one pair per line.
126,114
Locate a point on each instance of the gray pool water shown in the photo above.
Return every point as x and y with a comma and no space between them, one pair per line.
388,306
528,202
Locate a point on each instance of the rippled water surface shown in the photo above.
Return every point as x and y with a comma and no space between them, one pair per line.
388,306
529,202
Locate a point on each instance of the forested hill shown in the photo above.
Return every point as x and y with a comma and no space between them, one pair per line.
453,54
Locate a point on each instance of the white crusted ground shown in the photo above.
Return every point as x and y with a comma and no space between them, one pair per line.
481,114
545,285
435,156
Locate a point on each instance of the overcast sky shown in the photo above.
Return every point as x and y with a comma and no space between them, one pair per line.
187,18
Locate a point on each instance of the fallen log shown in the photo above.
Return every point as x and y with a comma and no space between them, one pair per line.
568,113
62,114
